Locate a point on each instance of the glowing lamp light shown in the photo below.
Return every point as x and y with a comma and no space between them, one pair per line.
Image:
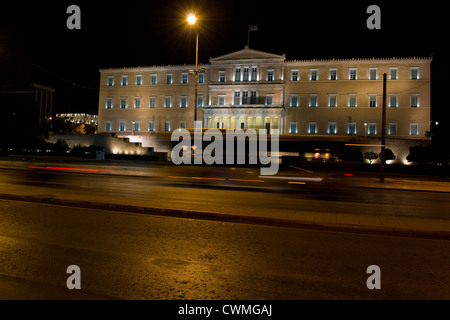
191,19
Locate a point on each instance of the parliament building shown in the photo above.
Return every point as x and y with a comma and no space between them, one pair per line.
251,89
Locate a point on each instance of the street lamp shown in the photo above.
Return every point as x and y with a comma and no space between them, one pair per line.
192,19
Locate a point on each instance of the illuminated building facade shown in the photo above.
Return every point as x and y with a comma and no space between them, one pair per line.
254,89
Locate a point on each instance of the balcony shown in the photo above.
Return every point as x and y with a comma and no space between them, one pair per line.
227,83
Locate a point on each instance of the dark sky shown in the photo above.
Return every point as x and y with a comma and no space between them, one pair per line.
142,33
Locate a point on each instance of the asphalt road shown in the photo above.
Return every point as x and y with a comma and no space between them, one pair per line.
132,256
204,190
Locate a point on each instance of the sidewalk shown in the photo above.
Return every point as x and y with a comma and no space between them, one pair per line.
403,184
384,224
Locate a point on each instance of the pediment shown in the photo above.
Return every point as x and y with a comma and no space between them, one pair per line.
248,54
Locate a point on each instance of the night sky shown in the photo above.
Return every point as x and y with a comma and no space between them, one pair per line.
145,33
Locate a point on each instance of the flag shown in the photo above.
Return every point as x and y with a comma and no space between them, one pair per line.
253,27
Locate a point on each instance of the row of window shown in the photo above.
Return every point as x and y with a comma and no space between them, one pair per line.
392,100
245,98
353,74
154,79
137,126
245,75
168,102
369,128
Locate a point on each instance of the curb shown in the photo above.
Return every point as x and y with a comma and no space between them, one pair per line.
400,189
200,215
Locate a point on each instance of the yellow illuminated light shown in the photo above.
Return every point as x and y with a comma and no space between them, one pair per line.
191,19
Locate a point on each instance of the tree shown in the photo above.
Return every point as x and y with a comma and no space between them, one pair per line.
60,147
388,155
371,156
420,154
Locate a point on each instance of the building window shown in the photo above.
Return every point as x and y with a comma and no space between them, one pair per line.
124,81
372,101
351,128
332,129
293,100
254,74
222,76
139,80
184,78
393,73
122,126
182,125
393,101
245,74
352,74
269,99
109,103
253,97
199,102
154,79
244,97
313,100
237,74
169,78
332,100
123,103
270,75
313,75
221,100
152,103
167,126
137,102
414,129
136,126
294,75
108,126
312,127
201,78
414,73
372,129
293,127
168,102
151,126
392,130
237,98
333,74
110,82
352,101
414,101
183,102
372,74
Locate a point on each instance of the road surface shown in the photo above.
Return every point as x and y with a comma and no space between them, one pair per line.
133,256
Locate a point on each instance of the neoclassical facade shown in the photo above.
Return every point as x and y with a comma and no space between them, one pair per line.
254,89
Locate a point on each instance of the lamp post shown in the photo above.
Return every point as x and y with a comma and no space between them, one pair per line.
192,19
383,132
